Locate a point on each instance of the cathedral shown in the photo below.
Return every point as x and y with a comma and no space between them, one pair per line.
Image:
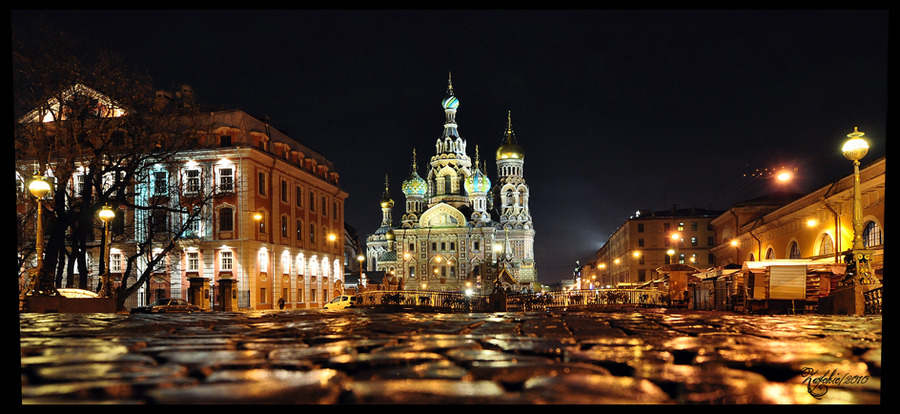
458,230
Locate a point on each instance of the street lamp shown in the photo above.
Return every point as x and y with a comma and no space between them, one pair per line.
855,149
39,189
106,214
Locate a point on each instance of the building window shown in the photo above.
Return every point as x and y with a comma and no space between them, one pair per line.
640,242
226,219
312,201
694,225
299,230
263,262
193,261
826,245
324,207
640,227
871,234
694,241
299,196
312,232
226,179
770,254
795,251
159,221
115,262
160,183
224,140
284,226
225,260
284,191
261,183
192,181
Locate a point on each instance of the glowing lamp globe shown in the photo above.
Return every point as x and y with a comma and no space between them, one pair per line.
856,147
106,214
39,188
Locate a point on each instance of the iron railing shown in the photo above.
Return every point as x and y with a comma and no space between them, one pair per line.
514,302
873,301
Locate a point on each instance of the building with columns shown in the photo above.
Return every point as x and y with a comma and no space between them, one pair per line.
458,229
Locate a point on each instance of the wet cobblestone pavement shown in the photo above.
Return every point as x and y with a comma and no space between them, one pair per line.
368,356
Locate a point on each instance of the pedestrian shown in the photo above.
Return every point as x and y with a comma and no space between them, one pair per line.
281,303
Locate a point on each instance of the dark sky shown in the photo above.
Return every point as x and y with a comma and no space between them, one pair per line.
617,110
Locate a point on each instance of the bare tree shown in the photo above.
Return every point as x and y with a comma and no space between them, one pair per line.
97,130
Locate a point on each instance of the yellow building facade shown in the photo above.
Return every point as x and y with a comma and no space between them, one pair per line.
818,225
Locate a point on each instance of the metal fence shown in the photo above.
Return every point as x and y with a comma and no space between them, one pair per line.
514,302
873,301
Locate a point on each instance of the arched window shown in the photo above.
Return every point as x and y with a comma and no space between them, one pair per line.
795,251
826,245
770,254
871,234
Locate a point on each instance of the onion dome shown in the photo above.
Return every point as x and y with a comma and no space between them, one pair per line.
414,184
450,101
510,148
386,201
478,182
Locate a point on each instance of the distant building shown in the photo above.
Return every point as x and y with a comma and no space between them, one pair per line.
650,240
458,229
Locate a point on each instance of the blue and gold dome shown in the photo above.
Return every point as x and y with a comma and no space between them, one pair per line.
450,101
478,182
414,184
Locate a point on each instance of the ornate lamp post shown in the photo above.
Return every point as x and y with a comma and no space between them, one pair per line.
106,214
858,271
39,189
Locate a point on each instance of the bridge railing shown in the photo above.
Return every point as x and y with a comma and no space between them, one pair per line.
457,301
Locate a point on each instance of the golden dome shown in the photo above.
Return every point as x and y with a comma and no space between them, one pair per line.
509,148
386,200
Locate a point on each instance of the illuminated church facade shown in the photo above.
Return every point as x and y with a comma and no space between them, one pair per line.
458,229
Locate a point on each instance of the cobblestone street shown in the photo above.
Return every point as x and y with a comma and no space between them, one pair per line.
369,356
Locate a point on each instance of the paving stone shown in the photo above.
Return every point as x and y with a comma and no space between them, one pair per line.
645,356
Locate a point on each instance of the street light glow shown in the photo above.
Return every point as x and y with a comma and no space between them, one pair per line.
784,176
38,187
856,147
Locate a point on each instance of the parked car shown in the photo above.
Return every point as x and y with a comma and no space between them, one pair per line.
168,305
342,302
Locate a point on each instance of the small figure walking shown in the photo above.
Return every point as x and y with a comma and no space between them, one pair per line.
281,303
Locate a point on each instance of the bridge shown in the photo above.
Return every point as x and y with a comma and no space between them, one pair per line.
513,302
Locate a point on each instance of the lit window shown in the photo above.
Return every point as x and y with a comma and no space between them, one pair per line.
225,260
192,181
795,251
193,261
872,234
826,245
226,179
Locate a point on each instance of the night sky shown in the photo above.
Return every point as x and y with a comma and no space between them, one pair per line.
617,110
